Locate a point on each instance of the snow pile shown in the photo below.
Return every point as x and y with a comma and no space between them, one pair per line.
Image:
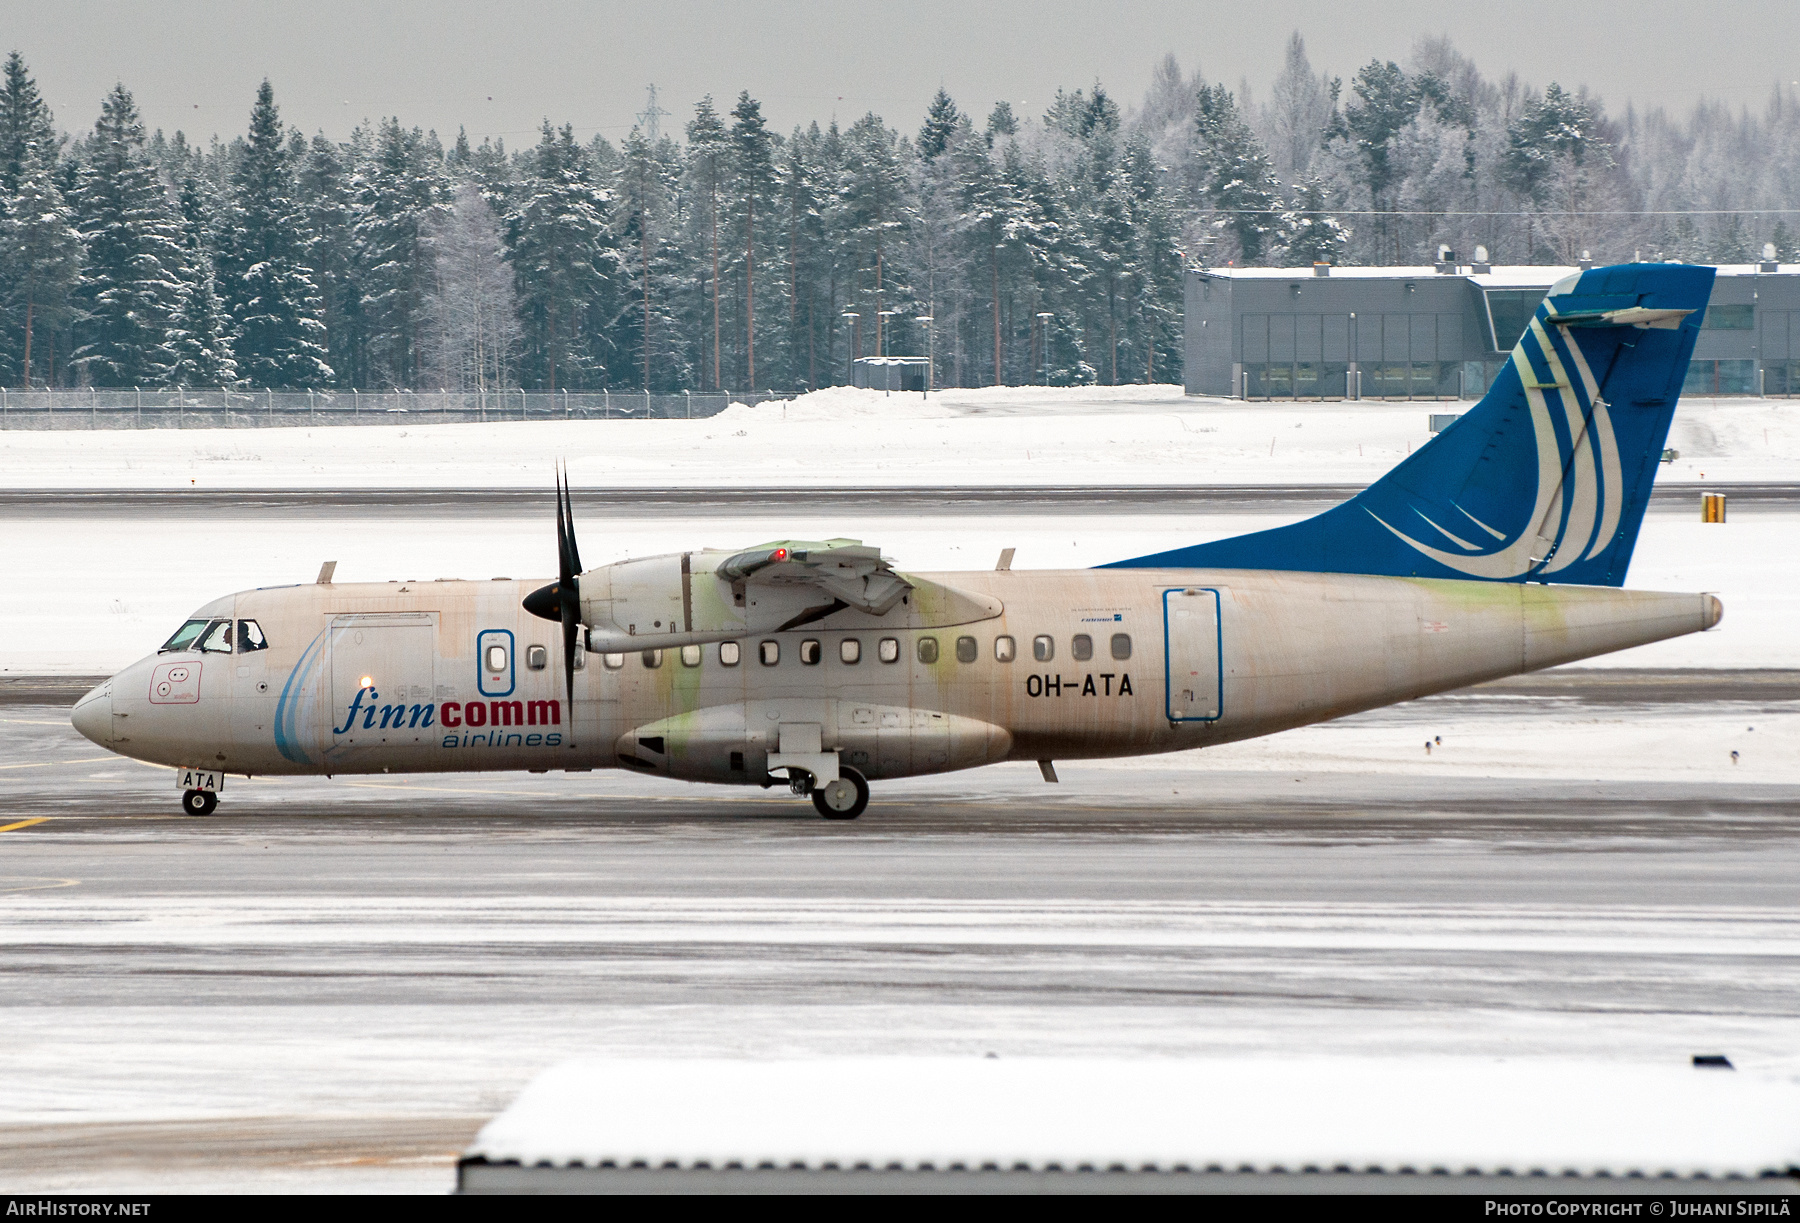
1454,1115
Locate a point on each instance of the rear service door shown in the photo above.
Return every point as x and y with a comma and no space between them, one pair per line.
1193,667
383,676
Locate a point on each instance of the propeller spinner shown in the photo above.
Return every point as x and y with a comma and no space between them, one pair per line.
561,600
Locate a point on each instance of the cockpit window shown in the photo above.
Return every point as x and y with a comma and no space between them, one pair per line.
250,637
185,637
218,638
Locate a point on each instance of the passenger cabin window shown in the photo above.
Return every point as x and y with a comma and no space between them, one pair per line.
967,650
496,658
537,657
1081,647
250,637
1121,646
652,659
185,637
1004,649
218,638
728,653
771,653
690,655
1043,648
888,650
612,662
850,651
811,652
928,650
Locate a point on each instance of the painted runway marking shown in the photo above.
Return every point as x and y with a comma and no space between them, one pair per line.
22,824
40,764
34,883
33,722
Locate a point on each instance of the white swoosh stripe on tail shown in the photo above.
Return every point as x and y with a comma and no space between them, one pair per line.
1611,478
1514,559
1580,480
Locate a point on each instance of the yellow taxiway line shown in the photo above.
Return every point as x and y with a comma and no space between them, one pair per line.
23,824
43,764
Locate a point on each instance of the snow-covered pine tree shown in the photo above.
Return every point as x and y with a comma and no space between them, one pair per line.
707,167
27,129
264,278
131,282
398,196
753,175
40,261
323,181
941,121
1309,233
565,265
1233,175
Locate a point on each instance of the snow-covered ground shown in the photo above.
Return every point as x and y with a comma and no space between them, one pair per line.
997,436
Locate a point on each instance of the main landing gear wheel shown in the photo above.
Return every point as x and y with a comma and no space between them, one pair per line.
843,799
204,802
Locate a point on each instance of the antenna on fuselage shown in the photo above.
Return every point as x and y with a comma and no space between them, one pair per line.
325,572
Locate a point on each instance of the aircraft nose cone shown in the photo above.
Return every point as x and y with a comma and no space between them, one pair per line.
92,715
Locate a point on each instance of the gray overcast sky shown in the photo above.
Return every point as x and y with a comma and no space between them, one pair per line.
498,68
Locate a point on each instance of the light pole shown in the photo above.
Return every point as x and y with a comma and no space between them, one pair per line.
881,316
1044,317
931,353
856,344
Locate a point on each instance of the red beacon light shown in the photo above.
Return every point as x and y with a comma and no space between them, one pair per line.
780,554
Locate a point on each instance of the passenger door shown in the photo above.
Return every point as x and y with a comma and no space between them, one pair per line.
383,684
1193,663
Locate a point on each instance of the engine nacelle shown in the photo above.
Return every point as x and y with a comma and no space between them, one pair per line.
733,743
688,598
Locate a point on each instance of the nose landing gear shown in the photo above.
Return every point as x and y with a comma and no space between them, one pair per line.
843,799
199,802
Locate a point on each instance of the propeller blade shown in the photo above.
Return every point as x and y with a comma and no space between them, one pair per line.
561,600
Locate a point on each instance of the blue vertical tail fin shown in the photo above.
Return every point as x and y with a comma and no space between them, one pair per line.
1546,479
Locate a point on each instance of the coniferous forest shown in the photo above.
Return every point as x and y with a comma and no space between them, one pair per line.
731,256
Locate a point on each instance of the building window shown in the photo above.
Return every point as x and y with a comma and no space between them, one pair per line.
690,655
1735,377
967,650
928,651
811,652
889,649
729,653
1081,647
1730,318
1509,314
850,651
1121,646
1043,648
1004,649
771,653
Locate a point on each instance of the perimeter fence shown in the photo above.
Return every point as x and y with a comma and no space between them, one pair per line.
93,408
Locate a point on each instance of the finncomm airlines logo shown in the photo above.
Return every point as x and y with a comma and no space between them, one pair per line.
475,723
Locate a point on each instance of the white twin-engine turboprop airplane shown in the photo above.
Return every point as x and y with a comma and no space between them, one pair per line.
1499,547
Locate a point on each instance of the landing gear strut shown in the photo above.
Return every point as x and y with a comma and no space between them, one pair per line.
843,799
199,802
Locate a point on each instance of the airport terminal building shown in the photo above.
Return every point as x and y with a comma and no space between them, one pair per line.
1442,332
